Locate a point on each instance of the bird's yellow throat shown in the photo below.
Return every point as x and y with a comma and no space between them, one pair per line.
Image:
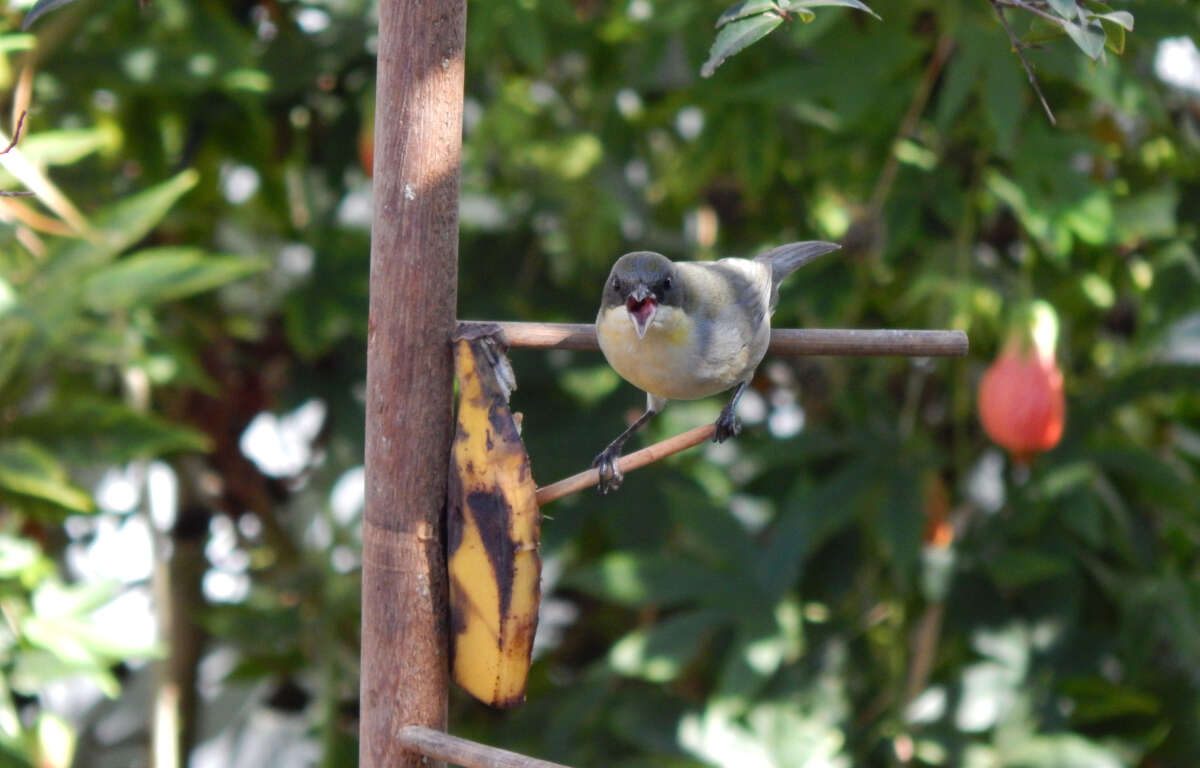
657,363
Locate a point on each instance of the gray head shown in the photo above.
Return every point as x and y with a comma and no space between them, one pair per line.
642,281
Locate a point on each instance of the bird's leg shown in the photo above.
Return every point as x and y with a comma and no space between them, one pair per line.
727,424
606,462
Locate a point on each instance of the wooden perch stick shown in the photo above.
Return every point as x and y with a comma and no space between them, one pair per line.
784,341
628,463
469,754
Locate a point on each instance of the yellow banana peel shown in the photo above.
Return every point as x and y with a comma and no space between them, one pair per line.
493,523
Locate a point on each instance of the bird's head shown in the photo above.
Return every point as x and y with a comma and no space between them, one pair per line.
642,281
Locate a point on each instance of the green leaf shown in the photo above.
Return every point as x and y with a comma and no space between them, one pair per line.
1123,19
660,652
1149,215
28,469
1017,568
744,9
13,43
1098,699
1065,8
36,668
819,3
1089,38
1003,96
901,523
641,579
120,225
86,426
737,36
17,555
164,274
63,147
1114,37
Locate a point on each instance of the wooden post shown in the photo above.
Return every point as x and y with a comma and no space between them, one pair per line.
414,274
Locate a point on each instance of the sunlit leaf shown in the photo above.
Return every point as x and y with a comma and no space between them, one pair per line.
744,9
124,223
659,653
1089,37
821,3
1065,8
83,425
28,469
164,274
736,36
1123,19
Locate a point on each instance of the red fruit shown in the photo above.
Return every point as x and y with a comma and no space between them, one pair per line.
1021,401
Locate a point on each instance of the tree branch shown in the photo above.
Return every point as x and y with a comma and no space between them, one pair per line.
1016,44
635,460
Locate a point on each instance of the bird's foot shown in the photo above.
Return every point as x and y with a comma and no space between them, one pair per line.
727,425
606,463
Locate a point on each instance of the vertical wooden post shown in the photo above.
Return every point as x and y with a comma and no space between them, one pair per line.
414,273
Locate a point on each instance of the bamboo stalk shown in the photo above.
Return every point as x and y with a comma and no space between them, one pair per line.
627,463
469,754
784,341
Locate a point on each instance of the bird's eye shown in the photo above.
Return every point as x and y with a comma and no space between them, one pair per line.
616,284
666,283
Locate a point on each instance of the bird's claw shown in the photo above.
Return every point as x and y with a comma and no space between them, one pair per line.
727,426
610,476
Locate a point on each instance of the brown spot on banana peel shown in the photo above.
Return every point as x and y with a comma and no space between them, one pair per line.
493,517
459,611
502,421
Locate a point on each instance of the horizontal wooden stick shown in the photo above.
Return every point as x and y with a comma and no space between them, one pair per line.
784,341
469,754
635,460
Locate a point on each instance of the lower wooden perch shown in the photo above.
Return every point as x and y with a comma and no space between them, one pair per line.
626,463
469,754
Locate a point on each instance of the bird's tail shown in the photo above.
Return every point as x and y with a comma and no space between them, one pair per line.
786,259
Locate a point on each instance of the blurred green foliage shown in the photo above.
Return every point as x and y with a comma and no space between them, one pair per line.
859,578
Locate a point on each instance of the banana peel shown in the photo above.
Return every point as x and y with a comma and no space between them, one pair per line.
493,524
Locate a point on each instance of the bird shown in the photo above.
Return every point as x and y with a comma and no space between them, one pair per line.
683,330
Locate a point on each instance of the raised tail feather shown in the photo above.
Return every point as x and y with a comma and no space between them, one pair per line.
786,259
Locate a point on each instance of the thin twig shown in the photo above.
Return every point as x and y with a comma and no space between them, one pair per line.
784,341
469,754
16,137
1016,44
635,460
16,134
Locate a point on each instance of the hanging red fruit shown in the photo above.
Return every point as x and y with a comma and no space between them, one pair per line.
1021,400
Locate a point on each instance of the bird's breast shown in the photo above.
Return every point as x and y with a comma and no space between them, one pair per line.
669,361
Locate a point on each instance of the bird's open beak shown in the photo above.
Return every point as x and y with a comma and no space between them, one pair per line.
641,306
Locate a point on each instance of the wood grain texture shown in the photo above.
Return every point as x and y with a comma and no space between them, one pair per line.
469,754
784,341
414,272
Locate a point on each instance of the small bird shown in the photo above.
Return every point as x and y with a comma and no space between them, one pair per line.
682,330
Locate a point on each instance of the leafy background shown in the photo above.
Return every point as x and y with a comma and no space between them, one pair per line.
859,579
